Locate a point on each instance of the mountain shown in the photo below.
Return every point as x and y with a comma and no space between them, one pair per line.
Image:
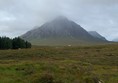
60,31
115,40
97,35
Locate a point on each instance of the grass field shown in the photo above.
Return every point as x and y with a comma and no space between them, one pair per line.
84,64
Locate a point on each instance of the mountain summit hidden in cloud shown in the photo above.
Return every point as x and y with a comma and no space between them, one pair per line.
61,31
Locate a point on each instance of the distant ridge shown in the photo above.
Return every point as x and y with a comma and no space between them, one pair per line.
61,31
115,40
97,35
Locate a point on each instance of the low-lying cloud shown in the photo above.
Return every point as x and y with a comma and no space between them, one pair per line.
19,16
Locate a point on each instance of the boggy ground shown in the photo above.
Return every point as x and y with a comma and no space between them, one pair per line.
81,64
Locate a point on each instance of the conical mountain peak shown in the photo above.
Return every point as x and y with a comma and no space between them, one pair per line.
60,31
61,18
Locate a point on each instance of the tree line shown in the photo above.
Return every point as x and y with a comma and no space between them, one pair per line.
15,43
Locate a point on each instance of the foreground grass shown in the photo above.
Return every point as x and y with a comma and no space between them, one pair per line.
95,64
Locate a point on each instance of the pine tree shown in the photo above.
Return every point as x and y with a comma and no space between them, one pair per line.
16,43
20,43
28,45
5,43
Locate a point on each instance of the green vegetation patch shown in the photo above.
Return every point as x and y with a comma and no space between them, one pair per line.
91,64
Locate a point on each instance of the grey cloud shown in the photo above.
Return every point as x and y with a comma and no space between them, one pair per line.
19,16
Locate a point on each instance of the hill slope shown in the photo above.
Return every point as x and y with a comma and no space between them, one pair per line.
60,31
97,35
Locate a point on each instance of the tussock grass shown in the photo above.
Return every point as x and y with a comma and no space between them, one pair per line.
75,64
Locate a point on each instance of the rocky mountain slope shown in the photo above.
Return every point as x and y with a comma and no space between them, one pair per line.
97,35
61,31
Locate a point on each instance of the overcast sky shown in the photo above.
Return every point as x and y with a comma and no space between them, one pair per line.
20,16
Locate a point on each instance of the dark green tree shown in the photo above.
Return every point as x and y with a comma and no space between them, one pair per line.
16,43
28,45
20,43
5,43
